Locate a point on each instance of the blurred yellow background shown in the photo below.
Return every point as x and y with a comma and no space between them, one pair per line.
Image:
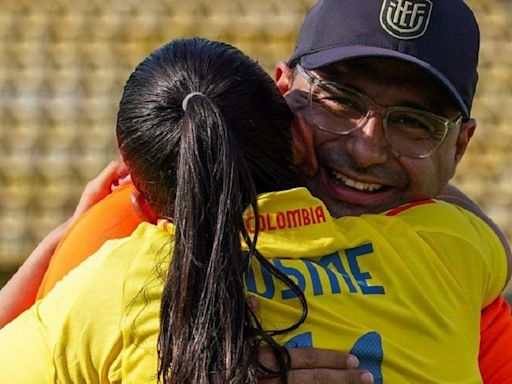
63,64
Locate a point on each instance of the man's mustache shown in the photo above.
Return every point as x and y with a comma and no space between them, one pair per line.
343,162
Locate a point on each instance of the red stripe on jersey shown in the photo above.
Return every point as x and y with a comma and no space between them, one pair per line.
405,207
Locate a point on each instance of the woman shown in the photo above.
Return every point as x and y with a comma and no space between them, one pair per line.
203,131
208,126
215,124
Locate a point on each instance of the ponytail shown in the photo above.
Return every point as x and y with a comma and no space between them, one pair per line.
203,304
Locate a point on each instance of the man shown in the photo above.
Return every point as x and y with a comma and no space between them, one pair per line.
417,56
383,91
363,158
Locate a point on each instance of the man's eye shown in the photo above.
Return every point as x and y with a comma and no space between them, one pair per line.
342,103
345,101
414,127
410,122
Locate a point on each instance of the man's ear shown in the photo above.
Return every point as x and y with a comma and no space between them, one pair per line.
467,131
283,77
304,155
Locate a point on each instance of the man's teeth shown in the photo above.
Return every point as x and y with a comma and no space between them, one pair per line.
356,184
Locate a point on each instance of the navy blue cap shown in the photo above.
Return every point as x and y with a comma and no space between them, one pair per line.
440,36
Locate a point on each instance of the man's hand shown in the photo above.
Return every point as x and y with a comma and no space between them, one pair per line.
115,174
316,366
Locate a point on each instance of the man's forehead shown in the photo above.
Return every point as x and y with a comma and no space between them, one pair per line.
379,69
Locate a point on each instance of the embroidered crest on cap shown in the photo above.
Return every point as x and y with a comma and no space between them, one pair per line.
405,19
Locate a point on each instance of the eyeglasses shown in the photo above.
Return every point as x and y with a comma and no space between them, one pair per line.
337,109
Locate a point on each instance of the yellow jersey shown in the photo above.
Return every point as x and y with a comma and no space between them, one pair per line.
402,290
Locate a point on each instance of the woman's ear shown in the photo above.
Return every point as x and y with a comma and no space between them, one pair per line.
283,77
303,146
142,208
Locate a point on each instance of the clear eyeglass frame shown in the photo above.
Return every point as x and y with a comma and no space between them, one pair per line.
410,132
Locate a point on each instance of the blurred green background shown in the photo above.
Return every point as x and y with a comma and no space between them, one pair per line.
63,64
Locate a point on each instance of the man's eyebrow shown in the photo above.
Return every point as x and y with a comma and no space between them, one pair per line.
417,105
333,74
340,76
432,107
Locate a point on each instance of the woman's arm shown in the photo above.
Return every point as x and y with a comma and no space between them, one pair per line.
495,357
20,291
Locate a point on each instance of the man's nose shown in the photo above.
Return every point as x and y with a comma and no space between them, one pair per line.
368,145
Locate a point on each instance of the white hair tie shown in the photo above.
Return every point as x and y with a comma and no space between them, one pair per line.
188,97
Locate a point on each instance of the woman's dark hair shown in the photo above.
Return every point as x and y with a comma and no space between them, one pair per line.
202,167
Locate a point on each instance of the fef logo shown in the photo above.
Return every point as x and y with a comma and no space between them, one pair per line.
405,19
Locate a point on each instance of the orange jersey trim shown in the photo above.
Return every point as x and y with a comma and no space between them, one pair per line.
396,211
111,218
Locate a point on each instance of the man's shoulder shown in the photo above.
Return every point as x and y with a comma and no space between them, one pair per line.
454,231
439,216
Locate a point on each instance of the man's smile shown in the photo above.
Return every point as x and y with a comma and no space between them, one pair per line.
361,186
354,190
349,190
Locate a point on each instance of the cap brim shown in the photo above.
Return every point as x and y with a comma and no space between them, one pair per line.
337,54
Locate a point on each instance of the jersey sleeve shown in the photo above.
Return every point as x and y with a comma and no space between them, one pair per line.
25,353
468,246
59,339
488,244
